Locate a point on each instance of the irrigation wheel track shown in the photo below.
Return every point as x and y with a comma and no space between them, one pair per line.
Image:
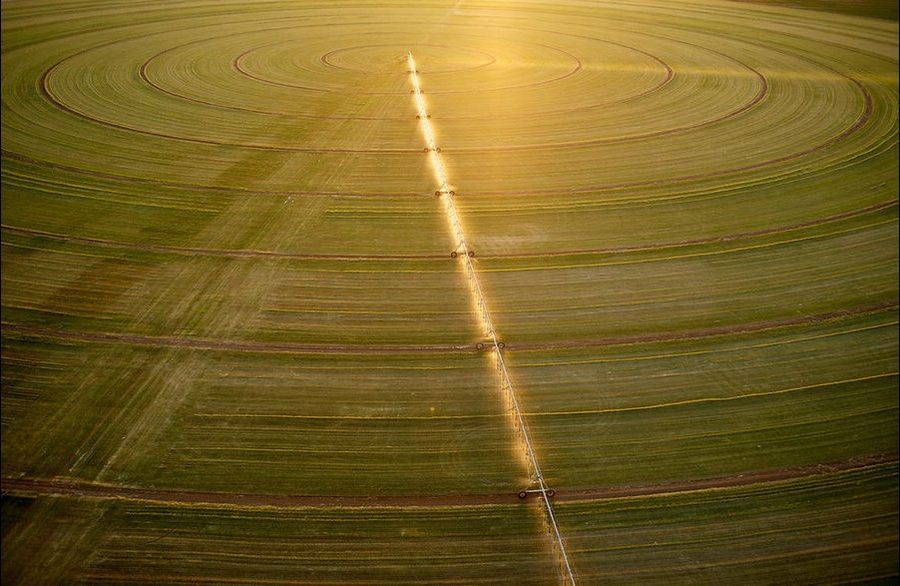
80,489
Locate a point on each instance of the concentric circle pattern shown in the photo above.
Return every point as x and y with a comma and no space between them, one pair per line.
237,347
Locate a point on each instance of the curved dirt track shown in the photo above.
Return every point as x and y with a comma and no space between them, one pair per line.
81,489
301,256
390,349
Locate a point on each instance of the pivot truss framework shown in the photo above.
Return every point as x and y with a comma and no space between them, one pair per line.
463,252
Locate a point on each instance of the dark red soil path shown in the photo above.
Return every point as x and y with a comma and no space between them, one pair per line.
9,328
84,489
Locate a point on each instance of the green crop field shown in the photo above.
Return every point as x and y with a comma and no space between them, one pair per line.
250,337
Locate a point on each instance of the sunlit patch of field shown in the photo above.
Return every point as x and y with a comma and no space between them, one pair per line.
226,275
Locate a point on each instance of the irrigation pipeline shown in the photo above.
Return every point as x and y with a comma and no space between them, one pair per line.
446,194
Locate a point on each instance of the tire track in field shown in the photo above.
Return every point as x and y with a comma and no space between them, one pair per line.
237,64
862,119
859,123
231,345
217,252
73,488
700,333
669,75
303,348
595,188
760,95
247,253
49,96
327,59
197,187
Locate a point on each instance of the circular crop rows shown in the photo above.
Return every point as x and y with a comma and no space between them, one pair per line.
264,82
230,276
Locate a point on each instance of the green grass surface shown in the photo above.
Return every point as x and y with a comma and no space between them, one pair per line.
111,543
776,399
837,529
224,269
867,8
180,418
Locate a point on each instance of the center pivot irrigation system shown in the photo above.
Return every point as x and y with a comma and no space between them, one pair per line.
517,420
